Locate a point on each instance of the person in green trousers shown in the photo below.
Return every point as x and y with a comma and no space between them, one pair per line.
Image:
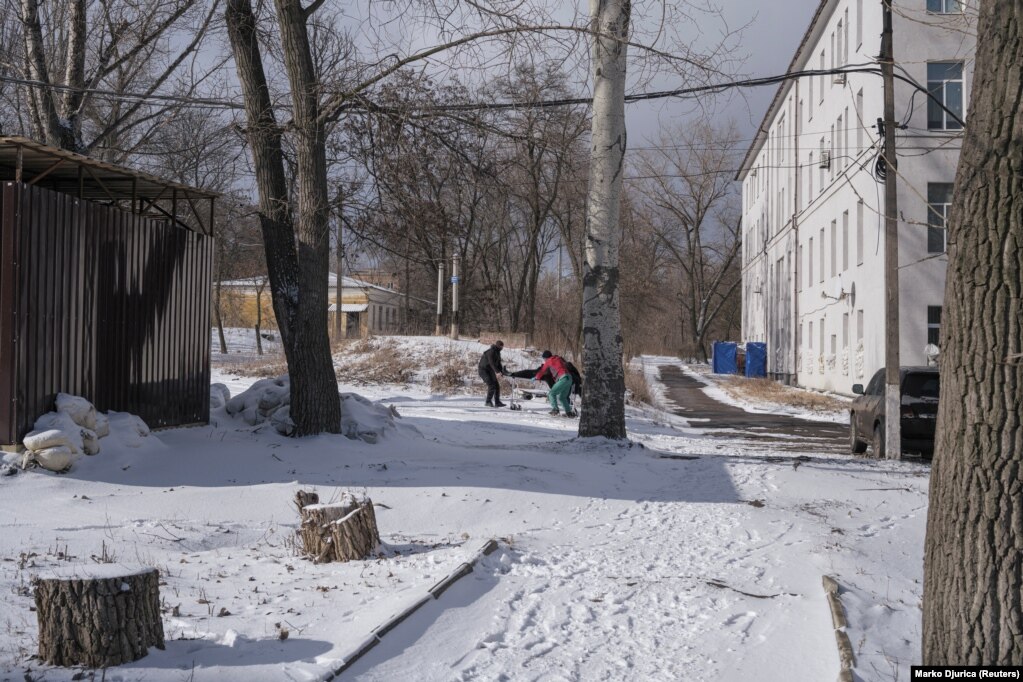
562,387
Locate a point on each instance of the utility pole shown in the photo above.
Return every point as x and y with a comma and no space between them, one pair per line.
454,296
439,331
893,393
339,285
561,247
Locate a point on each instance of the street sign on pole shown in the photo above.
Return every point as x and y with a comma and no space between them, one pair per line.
454,280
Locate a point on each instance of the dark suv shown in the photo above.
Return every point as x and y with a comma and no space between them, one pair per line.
919,387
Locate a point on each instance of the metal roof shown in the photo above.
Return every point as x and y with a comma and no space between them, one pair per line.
34,163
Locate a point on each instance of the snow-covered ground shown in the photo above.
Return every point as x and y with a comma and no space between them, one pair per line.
681,557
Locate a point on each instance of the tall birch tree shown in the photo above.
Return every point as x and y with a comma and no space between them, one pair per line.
603,411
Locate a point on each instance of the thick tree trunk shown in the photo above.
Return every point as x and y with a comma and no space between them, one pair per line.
298,278
973,594
315,395
343,531
603,411
100,618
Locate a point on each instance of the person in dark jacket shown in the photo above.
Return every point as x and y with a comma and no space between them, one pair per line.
492,371
563,382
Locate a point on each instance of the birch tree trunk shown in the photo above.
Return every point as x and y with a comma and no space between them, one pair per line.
603,411
973,587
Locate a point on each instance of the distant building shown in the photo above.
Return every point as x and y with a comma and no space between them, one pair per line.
366,308
813,212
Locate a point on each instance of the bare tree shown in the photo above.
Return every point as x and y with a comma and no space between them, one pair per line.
604,400
94,68
696,218
296,242
973,566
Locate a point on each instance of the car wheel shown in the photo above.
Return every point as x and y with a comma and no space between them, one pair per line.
878,443
856,446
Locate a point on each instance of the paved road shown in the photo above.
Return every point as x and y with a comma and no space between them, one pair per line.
782,431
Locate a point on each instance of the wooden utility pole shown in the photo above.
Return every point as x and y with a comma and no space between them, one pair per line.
454,296
439,331
893,393
338,285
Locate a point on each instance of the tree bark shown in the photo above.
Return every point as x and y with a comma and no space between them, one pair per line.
343,531
972,610
603,411
297,251
98,622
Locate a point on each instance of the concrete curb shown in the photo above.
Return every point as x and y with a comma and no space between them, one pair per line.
394,621
845,650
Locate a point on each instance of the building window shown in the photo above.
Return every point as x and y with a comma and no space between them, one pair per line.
934,324
845,39
859,23
821,77
845,241
822,260
809,177
859,121
834,345
839,147
809,266
945,84
820,331
859,327
939,201
809,337
823,165
945,6
834,248
845,330
859,232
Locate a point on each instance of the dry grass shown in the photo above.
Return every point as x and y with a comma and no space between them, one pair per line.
384,364
637,390
767,390
450,378
265,367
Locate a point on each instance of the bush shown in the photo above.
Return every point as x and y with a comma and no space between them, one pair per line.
450,378
381,365
637,390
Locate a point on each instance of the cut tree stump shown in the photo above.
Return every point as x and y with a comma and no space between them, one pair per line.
342,531
98,615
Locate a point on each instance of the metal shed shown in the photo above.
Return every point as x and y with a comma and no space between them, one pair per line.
104,289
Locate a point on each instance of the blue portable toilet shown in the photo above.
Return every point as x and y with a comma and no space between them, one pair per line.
756,359
724,358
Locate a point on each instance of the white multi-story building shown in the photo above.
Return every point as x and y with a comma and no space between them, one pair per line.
813,210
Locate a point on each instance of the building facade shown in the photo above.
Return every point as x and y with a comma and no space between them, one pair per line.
813,204
366,308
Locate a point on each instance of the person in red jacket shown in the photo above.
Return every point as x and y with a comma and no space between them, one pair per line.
562,387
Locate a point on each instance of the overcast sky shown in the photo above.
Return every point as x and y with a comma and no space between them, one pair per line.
771,35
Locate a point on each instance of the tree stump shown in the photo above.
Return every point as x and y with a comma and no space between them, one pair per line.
98,615
341,531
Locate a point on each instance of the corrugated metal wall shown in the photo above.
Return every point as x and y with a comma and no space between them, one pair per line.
102,303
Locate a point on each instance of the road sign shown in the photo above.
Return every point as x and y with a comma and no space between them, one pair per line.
454,280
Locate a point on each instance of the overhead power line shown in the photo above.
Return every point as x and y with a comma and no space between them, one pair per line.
362,105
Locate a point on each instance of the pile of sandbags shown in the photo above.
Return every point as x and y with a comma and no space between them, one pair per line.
58,437
269,401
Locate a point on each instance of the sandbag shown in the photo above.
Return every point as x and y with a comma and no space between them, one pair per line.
54,459
48,438
79,409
